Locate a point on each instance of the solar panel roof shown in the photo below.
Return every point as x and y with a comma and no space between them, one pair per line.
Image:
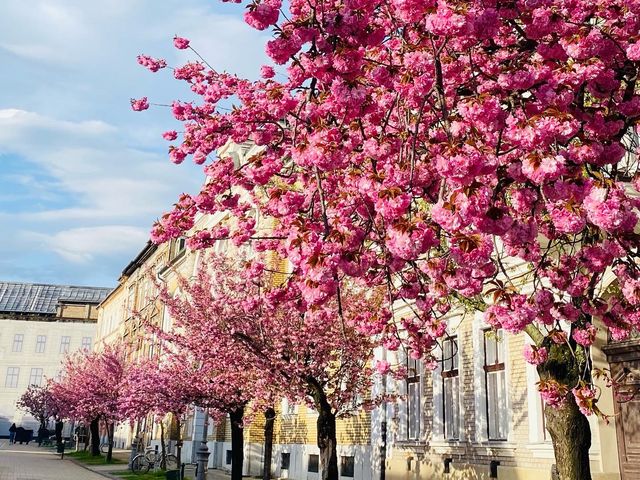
44,298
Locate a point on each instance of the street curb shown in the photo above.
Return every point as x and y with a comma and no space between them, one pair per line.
86,467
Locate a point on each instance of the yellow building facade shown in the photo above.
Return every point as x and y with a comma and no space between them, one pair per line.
479,415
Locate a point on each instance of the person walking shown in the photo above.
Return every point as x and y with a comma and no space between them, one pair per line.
12,433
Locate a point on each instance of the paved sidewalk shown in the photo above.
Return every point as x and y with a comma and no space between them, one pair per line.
28,462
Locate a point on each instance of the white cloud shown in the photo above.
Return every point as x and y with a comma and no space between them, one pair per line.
19,121
113,191
89,160
84,245
94,169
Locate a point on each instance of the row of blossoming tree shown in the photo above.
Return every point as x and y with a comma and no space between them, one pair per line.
456,152
240,342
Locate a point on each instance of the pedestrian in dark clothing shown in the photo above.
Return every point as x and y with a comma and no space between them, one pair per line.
58,430
12,433
43,433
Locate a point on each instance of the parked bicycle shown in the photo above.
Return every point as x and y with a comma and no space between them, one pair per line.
151,459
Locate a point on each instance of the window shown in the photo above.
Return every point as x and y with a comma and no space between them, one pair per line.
229,457
36,377
495,385
64,344
285,459
346,466
178,247
18,340
314,464
86,343
413,398
131,300
12,377
450,388
41,343
546,436
181,245
288,408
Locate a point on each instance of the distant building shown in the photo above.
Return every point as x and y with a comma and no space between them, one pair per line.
39,324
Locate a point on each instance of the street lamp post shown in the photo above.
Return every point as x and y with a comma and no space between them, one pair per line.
202,454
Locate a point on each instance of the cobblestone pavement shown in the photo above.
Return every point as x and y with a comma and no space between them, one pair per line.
28,462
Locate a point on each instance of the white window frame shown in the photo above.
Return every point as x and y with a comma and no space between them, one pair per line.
86,343
41,343
289,409
132,294
12,377
35,377
494,366
414,382
65,344
450,363
18,342
479,385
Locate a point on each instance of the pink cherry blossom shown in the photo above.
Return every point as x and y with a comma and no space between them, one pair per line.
170,135
535,355
139,104
585,336
553,393
180,43
449,153
263,13
152,64
586,398
267,71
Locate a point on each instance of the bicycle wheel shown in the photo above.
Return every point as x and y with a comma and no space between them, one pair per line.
139,464
171,462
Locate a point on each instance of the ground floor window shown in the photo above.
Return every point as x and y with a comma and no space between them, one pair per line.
495,384
314,464
450,388
346,466
413,398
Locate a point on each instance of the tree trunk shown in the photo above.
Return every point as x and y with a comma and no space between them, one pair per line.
327,443
569,428
571,436
163,447
237,443
94,428
327,440
269,418
110,428
41,429
179,443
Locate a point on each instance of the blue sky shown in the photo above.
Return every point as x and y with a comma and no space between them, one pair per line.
82,176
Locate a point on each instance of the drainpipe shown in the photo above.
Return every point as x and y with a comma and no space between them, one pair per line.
383,425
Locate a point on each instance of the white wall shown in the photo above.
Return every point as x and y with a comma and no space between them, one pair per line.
28,359
299,458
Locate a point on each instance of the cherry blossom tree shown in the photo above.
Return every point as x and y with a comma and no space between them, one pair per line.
89,390
190,373
475,152
38,402
243,320
160,386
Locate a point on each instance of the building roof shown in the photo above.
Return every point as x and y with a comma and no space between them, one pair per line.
137,262
38,298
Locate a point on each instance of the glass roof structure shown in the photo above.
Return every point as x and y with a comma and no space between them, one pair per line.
37,298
